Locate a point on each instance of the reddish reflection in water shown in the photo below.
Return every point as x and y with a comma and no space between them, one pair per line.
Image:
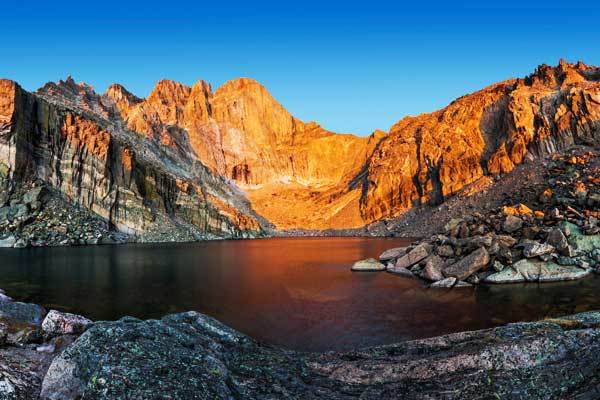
297,293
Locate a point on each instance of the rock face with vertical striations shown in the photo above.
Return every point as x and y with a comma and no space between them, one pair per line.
68,138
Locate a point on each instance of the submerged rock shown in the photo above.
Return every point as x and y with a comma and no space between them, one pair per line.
369,264
400,271
444,283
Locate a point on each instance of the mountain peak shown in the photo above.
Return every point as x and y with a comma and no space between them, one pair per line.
561,75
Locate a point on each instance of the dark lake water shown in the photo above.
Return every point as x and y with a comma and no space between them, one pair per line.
296,293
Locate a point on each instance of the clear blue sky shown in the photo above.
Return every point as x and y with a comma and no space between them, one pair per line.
352,66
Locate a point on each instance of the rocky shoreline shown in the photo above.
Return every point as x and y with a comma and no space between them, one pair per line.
555,237
61,356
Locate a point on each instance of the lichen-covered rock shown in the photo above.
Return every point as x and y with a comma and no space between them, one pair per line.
62,323
193,356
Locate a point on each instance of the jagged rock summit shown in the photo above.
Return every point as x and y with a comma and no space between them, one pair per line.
234,163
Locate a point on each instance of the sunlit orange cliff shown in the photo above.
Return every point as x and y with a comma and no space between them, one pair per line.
235,163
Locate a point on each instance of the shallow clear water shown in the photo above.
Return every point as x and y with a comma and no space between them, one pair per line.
296,293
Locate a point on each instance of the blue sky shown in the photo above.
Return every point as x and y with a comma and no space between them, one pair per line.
352,66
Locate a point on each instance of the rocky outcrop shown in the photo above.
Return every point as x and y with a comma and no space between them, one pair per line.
131,358
553,238
427,158
67,138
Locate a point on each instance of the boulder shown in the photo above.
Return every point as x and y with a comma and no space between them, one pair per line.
22,312
444,283
498,266
557,239
468,265
531,248
369,264
445,251
433,269
400,271
506,240
33,195
512,224
8,241
27,335
21,244
452,224
537,271
191,356
61,323
414,256
392,254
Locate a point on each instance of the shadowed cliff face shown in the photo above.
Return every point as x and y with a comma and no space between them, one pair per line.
223,160
427,158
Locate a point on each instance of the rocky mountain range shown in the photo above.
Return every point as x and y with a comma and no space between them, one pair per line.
188,163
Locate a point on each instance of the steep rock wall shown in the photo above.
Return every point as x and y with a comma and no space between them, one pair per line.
112,174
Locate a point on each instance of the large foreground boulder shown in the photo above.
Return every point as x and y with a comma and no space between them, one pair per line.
191,356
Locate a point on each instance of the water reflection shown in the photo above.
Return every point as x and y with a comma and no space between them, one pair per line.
295,293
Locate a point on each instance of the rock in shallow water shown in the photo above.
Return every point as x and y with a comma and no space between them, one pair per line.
467,266
414,256
444,283
400,271
369,264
